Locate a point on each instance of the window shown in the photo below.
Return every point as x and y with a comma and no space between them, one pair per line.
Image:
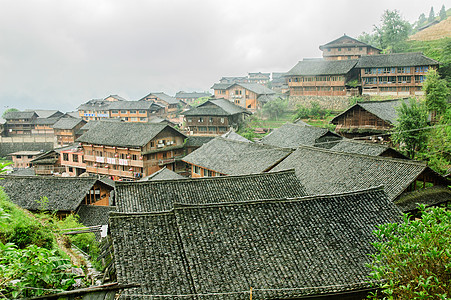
133,111
222,120
71,169
421,69
143,119
134,157
189,120
404,79
202,128
123,111
65,156
212,129
152,144
208,173
74,157
196,170
200,120
211,120
30,156
142,111
114,111
349,49
419,78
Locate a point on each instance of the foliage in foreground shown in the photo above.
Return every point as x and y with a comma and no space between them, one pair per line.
413,258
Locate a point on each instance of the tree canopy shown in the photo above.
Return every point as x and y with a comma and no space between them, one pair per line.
437,93
431,15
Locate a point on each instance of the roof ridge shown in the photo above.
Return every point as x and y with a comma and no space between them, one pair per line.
178,206
125,183
269,147
46,177
386,100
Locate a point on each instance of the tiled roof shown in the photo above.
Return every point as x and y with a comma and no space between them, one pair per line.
153,196
322,67
46,121
163,174
95,105
117,97
67,123
122,134
23,172
395,60
292,135
232,135
42,113
360,147
235,158
324,171
197,141
166,98
185,95
12,115
385,110
428,196
257,88
216,107
221,86
63,193
283,249
345,41
93,215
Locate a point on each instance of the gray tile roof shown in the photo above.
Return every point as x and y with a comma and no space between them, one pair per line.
93,215
257,88
322,67
395,60
46,121
235,158
63,193
360,147
324,171
163,174
385,110
12,115
95,104
292,135
221,86
130,105
42,113
283,249
122,134
232,135
153,196
345,41
67,123
23,172
216,107
117,97
197,141
166,98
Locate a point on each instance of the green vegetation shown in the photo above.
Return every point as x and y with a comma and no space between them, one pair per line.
437,93
413,258
199,101
9,110
274,109
315,111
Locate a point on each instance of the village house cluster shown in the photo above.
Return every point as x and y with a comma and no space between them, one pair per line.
194,209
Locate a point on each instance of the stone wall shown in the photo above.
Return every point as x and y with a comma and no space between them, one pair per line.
334,103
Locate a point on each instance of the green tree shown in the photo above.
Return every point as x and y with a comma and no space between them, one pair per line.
431,15
275,107
409,132
9,110
199,101
421,20
437,93
442,13
413,257
393,31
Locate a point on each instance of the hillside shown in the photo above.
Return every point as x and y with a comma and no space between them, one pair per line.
435,32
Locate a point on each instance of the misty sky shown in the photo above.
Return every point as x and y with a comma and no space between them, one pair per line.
57,54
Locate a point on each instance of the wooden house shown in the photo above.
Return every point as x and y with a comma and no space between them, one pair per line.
63,195
131,151
135,111
72,160
367,118
47,164
346,47
214,117
171,104
190,97
289,248
22,159
400,74
321,77
324,171
67,130
19,123
97,109
261,78
223,156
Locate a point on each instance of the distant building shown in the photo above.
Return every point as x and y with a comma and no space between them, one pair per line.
72,160
135,111
230,80
346,47
214,117
47,164
67,130
170,104
97,109
19,123
262,78
400,74
321,77
130,151
22,159
190,97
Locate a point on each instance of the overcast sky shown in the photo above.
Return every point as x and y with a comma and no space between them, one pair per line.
58,54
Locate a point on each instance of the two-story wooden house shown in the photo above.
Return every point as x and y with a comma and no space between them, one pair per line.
400,74
135,111
67,130
170,104
97,109
346,47
259,77
131,150
243,94
214,117
72,160
319,77
19,123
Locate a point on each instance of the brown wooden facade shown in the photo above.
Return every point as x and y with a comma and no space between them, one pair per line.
394,81
133,163
68,136
198,172
99,195
317,85
345,48
208,125
73,162
20,123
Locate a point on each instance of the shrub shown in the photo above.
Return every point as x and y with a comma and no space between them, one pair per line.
413,258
